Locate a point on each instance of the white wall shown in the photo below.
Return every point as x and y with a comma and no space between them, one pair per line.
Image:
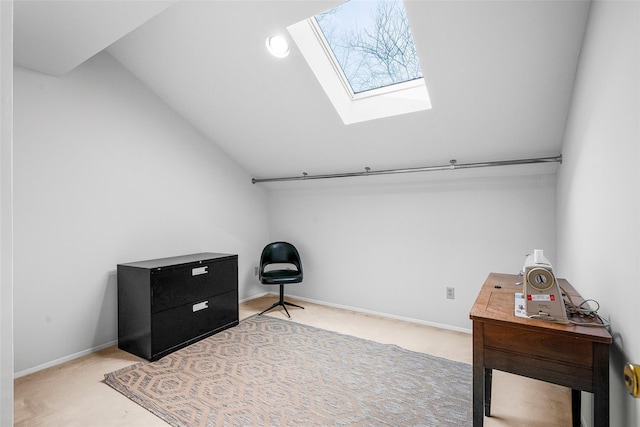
393,246
6,213
106,173
599,188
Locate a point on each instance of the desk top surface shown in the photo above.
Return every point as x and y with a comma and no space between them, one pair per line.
496,305
177,261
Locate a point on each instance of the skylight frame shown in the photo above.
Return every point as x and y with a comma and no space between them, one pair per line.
317,31
392,100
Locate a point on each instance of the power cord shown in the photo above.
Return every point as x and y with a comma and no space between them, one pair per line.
583,311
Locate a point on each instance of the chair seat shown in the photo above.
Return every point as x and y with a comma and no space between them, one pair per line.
276,277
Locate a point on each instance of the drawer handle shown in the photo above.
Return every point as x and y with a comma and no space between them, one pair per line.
199,270
200,306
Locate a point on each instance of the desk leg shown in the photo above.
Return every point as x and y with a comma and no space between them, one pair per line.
488,376
576,404
478,374
601,385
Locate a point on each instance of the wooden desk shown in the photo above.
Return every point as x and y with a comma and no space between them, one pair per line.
568,355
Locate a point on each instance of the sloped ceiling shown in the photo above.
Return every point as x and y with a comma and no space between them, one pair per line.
500,76
53,37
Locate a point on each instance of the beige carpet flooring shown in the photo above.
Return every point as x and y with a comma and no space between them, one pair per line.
74,394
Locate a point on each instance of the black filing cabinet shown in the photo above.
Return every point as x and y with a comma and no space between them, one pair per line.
169,303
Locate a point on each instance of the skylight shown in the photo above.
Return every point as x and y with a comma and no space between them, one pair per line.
372,43
362,53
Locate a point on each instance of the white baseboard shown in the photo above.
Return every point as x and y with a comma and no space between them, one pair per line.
90,350
64,359
343,307
254,297
377,313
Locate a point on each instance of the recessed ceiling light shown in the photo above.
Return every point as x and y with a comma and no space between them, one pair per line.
278,46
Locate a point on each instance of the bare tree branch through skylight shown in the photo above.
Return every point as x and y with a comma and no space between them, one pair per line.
371,41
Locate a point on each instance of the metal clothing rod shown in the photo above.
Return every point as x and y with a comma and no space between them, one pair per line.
453,164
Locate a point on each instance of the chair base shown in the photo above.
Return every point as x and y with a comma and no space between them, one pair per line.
283,303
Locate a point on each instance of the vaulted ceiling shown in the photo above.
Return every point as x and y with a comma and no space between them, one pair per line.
500,75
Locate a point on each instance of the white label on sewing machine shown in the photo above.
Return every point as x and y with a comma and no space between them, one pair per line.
551,297
520,309
200,306
199,270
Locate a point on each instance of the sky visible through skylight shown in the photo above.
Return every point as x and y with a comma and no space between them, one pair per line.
372,43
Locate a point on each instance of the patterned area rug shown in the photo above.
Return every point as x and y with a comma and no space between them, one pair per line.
272,372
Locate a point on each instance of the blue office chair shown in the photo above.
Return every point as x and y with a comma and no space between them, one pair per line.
287,256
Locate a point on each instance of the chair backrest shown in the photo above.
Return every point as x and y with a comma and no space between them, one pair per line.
280,253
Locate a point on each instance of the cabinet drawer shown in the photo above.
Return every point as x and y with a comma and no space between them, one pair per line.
176,286
180,326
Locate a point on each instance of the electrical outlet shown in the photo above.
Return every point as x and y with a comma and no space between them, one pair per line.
255,271
451,293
